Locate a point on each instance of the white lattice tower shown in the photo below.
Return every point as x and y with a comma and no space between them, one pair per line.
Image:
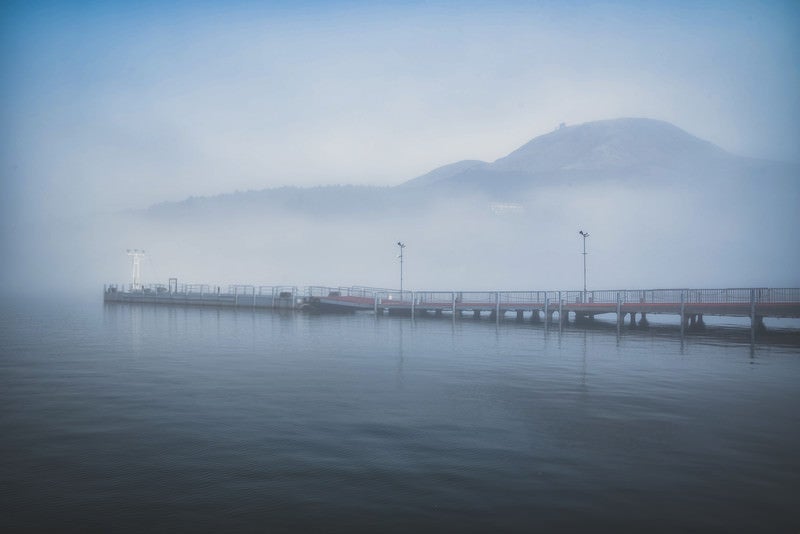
136,255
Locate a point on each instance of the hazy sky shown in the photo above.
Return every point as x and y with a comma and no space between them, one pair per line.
109,105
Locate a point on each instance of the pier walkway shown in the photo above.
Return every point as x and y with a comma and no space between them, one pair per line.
628,305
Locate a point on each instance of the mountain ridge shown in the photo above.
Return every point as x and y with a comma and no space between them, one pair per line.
628,151
624,149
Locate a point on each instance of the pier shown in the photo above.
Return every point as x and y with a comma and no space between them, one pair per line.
629,307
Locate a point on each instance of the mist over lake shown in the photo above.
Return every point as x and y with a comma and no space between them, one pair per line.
666,209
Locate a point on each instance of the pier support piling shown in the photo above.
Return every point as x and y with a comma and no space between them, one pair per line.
546,314
683,313
753,326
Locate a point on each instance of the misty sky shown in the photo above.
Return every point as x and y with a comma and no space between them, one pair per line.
110,105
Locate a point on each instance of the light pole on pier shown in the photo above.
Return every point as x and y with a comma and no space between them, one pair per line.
585,235
136,274
402,246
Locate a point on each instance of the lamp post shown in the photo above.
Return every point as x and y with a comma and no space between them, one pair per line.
136,274
585,235
402,246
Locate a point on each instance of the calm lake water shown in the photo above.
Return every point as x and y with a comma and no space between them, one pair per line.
156,418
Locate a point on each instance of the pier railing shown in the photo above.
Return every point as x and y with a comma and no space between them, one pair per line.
688,296
341,291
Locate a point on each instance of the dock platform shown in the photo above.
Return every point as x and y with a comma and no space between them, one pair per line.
549,306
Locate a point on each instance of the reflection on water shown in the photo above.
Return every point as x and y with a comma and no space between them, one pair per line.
144,416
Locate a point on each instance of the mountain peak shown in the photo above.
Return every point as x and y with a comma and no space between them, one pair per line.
606,145
618,149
